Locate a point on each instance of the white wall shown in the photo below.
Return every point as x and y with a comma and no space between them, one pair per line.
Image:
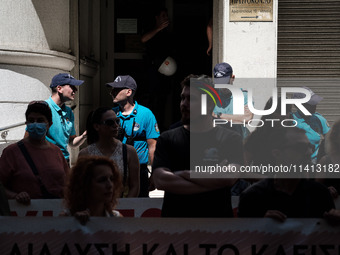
251,49
35,25
34,46
19,85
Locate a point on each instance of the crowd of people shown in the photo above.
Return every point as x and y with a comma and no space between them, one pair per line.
124,143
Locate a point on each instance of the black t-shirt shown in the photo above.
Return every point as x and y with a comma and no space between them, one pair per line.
310,200
173,152
211,147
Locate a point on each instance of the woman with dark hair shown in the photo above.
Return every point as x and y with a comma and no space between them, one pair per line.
92,189
102,129
34,168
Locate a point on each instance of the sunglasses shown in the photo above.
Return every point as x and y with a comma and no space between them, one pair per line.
38,102
111,122
116,90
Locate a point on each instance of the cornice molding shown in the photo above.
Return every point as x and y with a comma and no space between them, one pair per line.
88,67
44,58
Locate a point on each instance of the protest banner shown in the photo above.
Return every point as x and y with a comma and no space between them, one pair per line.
65,235
128,207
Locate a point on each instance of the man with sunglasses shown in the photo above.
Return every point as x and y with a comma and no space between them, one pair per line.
62,132
139,125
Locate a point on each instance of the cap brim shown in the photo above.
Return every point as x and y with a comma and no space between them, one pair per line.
118,85
75,82
109,85
222,80
114,85
315,99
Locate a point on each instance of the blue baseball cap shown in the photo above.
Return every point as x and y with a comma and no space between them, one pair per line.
314,100
123,81
62,79
222,73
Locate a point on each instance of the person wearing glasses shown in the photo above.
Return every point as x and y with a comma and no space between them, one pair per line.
102,129
34,168
138,123
62,132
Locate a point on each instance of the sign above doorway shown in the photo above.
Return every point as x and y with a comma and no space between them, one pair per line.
250,10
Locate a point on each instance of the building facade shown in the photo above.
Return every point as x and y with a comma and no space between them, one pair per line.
290,43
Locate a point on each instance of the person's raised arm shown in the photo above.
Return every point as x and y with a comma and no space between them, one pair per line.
75,141
160,25
210,35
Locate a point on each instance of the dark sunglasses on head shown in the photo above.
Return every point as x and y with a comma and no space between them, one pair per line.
38,102
111,122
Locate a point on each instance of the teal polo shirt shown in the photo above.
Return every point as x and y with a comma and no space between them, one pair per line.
141,124
62,127
227,108
315,126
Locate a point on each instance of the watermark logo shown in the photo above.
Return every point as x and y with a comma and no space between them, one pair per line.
238,100
204,101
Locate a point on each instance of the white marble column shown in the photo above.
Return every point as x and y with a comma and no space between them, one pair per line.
36,42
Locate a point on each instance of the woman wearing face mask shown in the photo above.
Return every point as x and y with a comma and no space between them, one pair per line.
34,168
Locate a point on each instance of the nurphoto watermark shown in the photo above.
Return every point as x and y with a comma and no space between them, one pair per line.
216,114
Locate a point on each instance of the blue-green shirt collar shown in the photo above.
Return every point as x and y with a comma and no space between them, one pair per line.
132,114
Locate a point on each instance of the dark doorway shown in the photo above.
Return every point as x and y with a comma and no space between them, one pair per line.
190,21
187,29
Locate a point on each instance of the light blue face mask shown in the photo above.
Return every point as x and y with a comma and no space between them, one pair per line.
36,130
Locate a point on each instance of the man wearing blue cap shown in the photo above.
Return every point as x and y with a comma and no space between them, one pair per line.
223,74
62,132
139,125
315,125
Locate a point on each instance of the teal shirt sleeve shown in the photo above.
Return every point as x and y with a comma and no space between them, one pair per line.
152,130
313,136
245,96
71,116
324,124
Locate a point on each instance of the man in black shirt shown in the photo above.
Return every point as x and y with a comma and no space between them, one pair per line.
195,197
